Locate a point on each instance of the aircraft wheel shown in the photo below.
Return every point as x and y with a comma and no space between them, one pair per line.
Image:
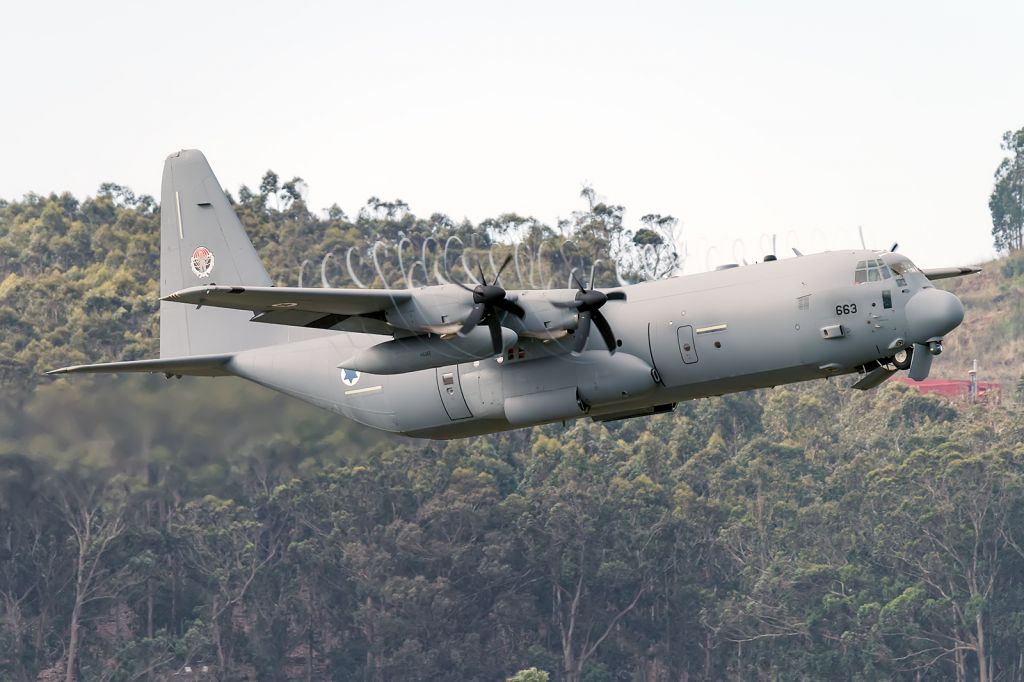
902,358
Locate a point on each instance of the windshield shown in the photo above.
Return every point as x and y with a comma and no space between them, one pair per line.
871,271
902,268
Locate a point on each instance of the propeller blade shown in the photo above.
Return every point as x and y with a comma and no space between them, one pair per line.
508,259
578,282
582,332
463,286
483,280
511,307
495,327
473,320
617,296
567,304
606,330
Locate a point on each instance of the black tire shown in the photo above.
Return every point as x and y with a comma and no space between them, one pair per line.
902,357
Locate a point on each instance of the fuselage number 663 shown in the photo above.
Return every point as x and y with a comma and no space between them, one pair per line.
846,309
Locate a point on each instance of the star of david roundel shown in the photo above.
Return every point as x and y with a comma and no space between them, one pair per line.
349,377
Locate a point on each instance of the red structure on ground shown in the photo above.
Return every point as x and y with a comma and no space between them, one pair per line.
954,389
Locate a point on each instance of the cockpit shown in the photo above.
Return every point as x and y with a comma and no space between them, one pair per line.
878,270
871,271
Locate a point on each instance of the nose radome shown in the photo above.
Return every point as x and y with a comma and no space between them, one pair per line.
933,313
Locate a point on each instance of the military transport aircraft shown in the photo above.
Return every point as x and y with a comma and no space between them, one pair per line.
449,361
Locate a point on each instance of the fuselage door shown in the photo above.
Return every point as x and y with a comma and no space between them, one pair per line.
669,351
450,389
686,346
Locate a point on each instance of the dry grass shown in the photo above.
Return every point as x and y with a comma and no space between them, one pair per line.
993,327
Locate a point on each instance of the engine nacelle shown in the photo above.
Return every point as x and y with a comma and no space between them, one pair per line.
443,309
436,309
543,320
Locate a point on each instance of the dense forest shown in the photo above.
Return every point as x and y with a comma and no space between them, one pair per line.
209,529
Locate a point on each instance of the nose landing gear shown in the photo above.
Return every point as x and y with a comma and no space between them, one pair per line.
901,359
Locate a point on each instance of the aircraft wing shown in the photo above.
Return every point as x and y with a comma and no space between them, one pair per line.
296,306
945,273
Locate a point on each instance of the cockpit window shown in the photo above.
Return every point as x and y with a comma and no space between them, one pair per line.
871,271
901,268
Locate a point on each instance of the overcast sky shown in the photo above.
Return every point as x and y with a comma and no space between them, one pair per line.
802,119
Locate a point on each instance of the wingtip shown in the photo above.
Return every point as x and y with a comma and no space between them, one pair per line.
183,294
174,297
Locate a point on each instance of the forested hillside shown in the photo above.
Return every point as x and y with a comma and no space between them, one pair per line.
209,529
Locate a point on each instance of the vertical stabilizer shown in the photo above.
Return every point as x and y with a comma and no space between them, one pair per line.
203,242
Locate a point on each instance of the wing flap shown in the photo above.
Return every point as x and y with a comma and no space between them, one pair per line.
296,299
193,365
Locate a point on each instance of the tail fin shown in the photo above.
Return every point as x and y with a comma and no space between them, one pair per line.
203,242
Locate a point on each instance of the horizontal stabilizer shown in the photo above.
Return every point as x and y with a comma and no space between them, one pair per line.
946,273
297,299
193,365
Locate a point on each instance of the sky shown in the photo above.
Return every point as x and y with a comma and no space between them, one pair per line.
805,120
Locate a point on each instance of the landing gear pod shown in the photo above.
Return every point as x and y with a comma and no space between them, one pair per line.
564,403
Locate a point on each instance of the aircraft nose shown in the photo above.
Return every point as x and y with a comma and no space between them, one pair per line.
932,313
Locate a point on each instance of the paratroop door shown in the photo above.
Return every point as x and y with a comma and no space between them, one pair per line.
450,388
672,349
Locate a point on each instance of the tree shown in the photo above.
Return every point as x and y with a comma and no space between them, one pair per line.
1007,201
595,537
946,519
229,548
809,532
96,517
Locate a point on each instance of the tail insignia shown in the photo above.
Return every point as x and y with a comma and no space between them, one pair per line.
202,261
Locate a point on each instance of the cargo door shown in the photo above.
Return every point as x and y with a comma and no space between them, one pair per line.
450,389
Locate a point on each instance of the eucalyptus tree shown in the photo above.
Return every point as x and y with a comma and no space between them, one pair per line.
1006,203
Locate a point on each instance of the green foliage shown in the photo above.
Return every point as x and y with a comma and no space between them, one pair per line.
1012,267
807,532
1007,201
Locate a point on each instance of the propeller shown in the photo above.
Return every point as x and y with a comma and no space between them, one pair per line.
588,305
487,300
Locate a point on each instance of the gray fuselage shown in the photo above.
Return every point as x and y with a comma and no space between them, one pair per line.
682,338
